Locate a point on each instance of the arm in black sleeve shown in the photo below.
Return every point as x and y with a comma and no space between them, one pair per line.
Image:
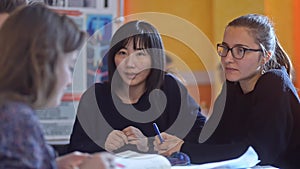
211,151
267,128
190,118
270,122
89,130
80,141
204,153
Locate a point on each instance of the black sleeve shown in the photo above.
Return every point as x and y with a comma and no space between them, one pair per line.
270,123
88,130
80,141
209,151
189,121
204,153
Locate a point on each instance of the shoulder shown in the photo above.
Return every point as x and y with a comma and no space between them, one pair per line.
172,81
21,137
17,114
96,89
275,79
276,82
21,120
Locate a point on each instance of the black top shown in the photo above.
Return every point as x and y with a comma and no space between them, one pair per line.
267,118
174,111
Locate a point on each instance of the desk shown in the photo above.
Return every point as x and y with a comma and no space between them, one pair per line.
199,167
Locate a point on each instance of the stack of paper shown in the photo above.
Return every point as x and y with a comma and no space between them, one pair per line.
134,160
247,160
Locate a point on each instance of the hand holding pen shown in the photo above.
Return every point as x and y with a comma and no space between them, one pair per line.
166,144
156,129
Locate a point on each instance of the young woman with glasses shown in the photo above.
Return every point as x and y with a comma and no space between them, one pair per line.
258,106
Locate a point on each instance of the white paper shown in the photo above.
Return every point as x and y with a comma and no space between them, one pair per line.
247,160
134,160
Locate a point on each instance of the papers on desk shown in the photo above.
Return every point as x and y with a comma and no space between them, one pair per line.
134,160
247,160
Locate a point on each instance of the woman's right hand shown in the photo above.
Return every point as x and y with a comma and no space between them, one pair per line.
115,140
170,145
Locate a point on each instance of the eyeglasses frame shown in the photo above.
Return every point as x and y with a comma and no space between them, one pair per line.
245,50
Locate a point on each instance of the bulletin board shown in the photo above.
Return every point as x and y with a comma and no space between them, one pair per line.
99,18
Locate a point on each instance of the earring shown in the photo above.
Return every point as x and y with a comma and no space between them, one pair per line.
263,70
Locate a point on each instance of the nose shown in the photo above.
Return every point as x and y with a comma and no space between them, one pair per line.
69,79
130,60
69,82
229,57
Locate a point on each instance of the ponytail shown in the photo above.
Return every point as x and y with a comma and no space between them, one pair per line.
283,59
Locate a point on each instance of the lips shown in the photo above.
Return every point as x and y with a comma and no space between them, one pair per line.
230,70
130,75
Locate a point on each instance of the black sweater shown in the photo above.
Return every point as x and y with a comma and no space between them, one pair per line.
100,112
267,118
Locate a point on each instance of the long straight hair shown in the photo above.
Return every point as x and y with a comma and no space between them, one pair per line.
144,35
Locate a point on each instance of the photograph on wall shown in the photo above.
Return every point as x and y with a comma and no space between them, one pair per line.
99,29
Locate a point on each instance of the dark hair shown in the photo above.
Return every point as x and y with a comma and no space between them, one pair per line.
142,34
33,40
7,6
262,29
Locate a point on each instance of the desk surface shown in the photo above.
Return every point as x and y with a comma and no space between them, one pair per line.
199,167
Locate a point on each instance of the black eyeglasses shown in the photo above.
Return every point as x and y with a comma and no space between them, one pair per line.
237,52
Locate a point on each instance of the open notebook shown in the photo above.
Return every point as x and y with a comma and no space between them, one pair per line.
134,160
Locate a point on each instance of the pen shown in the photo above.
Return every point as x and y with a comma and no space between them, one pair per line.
158,133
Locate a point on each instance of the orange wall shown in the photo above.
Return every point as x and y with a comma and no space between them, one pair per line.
286,22
211,17
194,11
296,40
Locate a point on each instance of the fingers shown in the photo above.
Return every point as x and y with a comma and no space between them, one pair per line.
71,160
121,135
170,145
165,137
133,132
99,161
136,137
115,140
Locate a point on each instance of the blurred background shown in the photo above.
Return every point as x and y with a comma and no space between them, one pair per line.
190,30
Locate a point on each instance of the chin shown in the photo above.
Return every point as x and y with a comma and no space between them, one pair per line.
232,79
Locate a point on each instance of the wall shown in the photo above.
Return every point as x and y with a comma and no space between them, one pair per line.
210,17
296,39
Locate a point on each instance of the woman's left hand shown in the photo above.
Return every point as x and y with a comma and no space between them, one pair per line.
135,136
103,160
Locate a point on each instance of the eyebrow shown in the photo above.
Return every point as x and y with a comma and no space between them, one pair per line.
140,49
124,47
242,45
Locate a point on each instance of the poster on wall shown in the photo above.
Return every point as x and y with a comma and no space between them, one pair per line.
96,4
100,31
